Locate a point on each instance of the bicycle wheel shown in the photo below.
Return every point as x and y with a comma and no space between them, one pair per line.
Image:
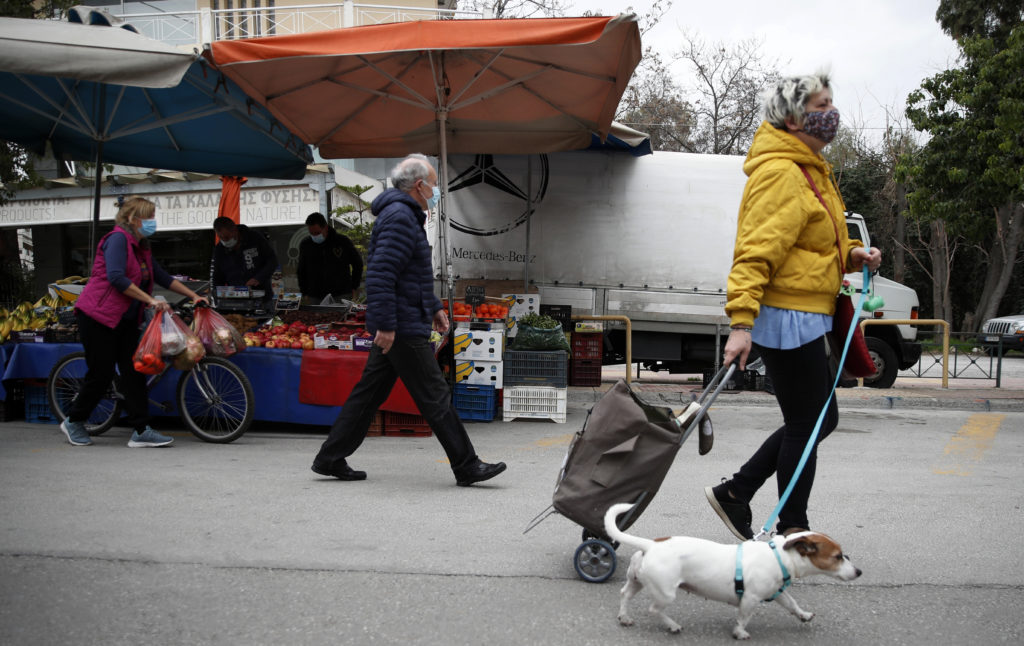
62,387
215,399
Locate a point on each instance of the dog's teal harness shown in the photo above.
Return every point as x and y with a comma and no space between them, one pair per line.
738,580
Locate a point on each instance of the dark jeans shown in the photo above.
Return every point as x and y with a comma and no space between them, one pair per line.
106,348
412,359
802,380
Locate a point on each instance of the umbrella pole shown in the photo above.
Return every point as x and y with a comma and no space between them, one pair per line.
94,228
442,119
529,220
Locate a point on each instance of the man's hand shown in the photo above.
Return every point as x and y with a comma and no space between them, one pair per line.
252,282
441,321
384,340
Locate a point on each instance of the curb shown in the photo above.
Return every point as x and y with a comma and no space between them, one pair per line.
949,399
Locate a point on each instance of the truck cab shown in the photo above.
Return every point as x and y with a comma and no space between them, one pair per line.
892,347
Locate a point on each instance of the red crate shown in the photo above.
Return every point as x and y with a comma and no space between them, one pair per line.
587,345
585,372
403,425
376,426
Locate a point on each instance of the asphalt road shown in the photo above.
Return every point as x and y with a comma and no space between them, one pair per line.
242,544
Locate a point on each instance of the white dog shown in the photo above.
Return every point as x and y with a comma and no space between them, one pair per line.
711,570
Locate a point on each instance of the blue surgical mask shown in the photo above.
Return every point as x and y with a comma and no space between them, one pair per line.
434,197
148,227
318,238
229,243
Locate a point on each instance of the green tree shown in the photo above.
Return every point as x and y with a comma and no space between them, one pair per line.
968,179
353,217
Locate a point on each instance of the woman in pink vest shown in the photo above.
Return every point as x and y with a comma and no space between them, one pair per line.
109,313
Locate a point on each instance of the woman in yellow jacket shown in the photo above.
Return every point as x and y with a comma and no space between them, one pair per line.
786,273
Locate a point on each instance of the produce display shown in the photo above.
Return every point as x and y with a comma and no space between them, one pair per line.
484,311
29,316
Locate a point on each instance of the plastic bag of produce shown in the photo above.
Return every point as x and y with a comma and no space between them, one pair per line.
147,358
192,349
218,336
172,336
538,332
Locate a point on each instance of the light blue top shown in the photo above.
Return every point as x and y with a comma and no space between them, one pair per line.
787,329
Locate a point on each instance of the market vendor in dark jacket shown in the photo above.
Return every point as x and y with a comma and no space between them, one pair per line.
401,310
328,262
242,257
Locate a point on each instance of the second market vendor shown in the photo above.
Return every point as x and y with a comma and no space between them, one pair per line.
242,257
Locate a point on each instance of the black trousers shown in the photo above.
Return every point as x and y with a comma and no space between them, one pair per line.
802,380
105,350
412,359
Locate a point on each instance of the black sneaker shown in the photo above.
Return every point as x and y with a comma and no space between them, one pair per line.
735,514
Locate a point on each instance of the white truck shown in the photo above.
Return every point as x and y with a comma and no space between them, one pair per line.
650,238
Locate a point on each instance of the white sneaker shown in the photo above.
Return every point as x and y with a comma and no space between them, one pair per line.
148,438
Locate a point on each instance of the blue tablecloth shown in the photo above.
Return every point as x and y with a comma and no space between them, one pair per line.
274,375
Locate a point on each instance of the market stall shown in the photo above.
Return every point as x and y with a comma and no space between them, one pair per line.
277,377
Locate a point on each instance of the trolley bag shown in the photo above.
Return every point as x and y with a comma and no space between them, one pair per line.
622,454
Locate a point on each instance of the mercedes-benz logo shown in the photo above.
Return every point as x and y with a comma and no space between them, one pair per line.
482,170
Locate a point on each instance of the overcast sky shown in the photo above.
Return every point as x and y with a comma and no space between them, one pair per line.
879,50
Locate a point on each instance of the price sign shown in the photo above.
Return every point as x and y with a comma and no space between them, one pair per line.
474,295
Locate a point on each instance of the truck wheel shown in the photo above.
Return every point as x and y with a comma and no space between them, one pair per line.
885,361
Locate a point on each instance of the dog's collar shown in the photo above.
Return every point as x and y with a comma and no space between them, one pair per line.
738,578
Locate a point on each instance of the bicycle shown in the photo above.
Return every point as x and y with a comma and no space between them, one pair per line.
214,398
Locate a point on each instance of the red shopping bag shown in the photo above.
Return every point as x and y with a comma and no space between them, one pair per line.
147,358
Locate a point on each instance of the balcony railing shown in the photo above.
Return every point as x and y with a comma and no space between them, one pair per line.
194,28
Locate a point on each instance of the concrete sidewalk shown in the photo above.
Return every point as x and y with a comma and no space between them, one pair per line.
907,392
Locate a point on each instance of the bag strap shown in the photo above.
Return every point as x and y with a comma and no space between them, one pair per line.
835,228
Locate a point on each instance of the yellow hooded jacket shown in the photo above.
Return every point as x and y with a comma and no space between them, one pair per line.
786,253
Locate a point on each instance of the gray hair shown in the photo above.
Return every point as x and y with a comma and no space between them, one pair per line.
789,98
410,170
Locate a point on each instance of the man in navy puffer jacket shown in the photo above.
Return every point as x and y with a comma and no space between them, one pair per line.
401,310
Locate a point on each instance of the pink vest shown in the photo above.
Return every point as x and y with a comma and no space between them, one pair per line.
100,300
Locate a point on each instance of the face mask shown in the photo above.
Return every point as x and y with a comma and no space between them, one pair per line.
822,125
318,238
148,227
228,244
434,197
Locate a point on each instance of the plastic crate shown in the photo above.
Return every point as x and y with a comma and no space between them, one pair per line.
13,407
534,402
587,345
585,372
536,367
475,403
561,313
376,426
62,334
37,406
404,425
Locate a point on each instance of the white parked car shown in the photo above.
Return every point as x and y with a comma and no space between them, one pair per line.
1009,329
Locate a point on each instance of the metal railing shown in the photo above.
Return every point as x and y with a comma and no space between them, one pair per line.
195,28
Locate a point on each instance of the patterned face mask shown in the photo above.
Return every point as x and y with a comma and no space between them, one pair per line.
822,125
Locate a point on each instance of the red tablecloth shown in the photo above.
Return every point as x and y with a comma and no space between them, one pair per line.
328,376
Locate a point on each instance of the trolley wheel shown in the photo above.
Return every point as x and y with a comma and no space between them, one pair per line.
595,561
589,535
